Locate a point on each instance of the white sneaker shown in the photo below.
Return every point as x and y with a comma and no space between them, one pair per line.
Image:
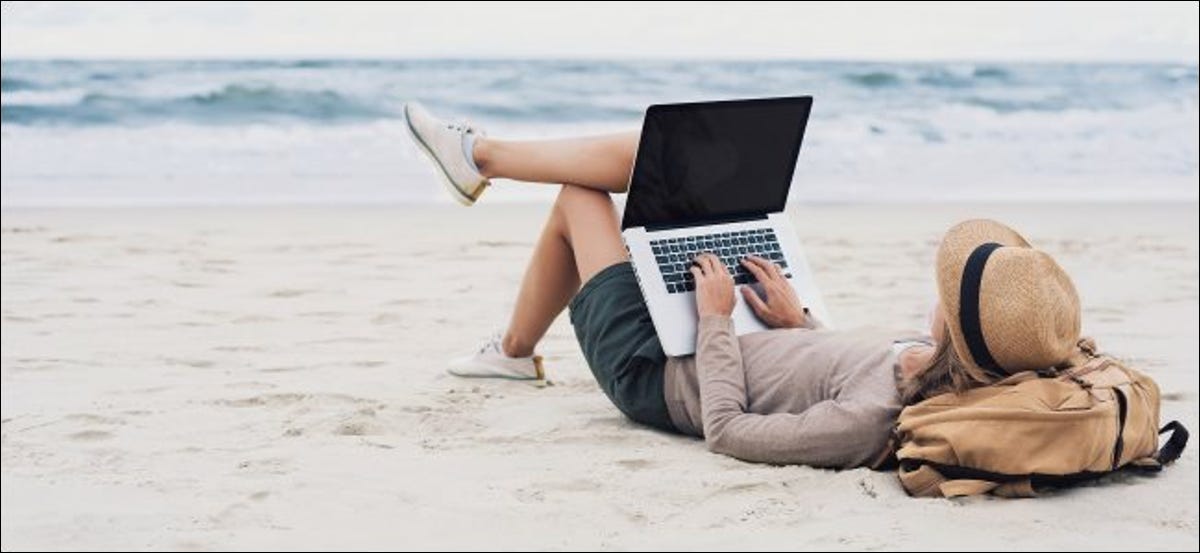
491,362
443,142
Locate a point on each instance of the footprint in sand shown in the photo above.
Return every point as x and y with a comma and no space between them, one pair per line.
636,464
284,369
239,349
89,418
290,293
271,465
355,428
291,398
264,400
322,314
93,426
370,363
386,319
75,238
254,319
193,363
406,301
530,495
341,340
250,385
22,230
363,422
867,488
90,435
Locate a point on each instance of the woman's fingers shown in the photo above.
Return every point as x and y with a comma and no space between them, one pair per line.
756,269
774,271
764,270
756,303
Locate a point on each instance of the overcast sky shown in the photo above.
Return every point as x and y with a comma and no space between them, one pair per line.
1125,31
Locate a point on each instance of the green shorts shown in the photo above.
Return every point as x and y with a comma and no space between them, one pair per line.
618,340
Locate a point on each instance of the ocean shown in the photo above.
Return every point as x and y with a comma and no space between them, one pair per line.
331,131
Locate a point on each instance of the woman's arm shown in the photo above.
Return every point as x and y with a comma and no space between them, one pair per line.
828,434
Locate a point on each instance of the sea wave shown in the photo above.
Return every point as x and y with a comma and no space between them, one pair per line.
319,91
9,84
315,130
874,79
1010,105
233,103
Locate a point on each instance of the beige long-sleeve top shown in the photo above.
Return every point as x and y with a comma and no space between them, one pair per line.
796,396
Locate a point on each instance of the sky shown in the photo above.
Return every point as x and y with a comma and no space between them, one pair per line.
1019,31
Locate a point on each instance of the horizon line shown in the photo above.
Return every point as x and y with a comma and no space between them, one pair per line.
339,57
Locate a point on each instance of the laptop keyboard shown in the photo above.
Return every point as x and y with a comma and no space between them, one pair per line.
675,255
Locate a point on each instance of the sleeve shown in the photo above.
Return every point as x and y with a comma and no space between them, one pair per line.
828,434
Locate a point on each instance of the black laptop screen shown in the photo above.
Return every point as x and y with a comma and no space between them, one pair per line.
715,161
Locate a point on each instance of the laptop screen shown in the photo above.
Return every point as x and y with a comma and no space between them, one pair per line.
715,161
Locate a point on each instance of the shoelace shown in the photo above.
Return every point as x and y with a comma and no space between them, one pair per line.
463,126
492,344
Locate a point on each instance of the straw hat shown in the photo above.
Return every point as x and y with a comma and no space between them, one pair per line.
1009,307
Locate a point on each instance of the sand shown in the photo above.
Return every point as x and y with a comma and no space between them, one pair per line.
229,378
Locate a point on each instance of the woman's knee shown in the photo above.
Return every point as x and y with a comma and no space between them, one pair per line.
587,220
578,197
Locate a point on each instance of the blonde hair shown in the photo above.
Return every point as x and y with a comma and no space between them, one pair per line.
946,373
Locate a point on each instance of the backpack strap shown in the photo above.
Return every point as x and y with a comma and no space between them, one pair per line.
1174,447
922,481
926,481
1169,452
959,488
1018,488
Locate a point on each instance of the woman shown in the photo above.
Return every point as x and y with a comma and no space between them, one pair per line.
795,394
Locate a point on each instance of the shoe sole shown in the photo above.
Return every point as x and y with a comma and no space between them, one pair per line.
537,364
494,376
446,180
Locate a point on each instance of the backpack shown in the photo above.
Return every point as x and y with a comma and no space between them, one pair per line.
1089,417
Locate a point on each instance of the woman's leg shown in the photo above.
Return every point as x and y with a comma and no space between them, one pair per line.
582,237
598,162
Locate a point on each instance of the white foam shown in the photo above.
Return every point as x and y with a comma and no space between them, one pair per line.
952,152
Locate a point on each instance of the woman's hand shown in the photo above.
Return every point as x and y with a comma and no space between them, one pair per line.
782,309
714,286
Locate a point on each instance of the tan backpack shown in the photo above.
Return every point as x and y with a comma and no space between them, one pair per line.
1088,418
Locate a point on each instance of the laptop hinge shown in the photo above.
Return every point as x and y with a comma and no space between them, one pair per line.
708,221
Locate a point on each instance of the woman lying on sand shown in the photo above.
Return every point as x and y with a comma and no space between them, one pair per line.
798,393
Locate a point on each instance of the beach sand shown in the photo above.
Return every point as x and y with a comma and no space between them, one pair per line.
229,378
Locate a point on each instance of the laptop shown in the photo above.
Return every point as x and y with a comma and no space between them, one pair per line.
714,177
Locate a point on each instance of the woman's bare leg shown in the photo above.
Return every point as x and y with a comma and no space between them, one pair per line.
598,162
582,236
